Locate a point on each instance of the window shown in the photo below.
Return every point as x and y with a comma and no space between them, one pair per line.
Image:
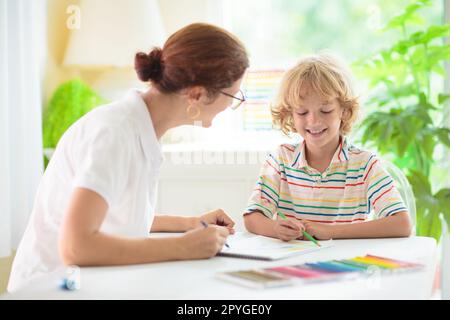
278,32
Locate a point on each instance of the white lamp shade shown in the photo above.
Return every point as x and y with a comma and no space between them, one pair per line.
111,32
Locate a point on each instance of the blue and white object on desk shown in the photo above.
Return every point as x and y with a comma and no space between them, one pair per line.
72,279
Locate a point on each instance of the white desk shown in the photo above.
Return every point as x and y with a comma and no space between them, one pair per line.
196,279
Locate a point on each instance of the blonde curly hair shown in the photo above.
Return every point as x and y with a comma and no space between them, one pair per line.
326,75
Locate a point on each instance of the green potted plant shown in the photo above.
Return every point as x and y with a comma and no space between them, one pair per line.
70,101
408,111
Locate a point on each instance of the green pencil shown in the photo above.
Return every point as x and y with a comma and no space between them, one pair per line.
306,234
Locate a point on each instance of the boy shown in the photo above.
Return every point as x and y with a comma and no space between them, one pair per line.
324,185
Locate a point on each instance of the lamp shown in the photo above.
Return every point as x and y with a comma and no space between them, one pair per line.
111,32
109,35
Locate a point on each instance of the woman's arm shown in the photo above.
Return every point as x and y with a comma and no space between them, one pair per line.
82,243
164,223
397,225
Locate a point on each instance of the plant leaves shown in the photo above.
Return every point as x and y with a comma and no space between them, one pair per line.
403,123
443,197
419,183
409,15
428,206
70,101
443,136
443,98
431,33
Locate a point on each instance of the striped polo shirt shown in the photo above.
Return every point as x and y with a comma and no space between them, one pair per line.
354,185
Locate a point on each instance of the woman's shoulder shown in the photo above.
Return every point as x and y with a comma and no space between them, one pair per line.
115,115
103,122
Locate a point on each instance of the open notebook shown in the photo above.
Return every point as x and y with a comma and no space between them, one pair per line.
251,246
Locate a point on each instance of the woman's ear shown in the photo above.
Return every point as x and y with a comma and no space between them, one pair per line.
195,94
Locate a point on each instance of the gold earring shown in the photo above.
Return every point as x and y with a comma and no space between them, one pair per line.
193,114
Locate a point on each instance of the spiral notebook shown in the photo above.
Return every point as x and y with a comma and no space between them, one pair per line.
250,246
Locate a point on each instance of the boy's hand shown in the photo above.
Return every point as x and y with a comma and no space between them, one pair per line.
320,231
218,217
289,229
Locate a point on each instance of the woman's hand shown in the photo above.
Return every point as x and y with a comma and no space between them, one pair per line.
289,229
218,217
202,243
320,231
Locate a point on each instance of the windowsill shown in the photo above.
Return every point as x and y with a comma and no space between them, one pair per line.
242,142
229,141
220,147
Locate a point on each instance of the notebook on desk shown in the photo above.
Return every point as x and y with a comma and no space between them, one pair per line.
250,246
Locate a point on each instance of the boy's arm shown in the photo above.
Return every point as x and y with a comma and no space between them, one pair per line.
257,222
263,202
397,225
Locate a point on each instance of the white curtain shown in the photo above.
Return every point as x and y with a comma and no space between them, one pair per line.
22,45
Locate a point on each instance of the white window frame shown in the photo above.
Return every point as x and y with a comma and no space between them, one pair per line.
447,64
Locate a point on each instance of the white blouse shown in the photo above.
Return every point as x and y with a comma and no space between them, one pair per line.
112,150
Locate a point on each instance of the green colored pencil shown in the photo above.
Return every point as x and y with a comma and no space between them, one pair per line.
306,234
311,238
281,214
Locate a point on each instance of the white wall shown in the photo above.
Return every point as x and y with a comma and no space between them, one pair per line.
447,65
209,180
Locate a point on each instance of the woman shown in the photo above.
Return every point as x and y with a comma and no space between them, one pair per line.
95,203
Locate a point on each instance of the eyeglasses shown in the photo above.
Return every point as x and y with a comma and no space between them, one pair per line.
238,100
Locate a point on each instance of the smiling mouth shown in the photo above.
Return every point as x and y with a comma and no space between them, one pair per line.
316,133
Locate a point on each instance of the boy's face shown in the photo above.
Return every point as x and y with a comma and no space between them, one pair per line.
317,119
